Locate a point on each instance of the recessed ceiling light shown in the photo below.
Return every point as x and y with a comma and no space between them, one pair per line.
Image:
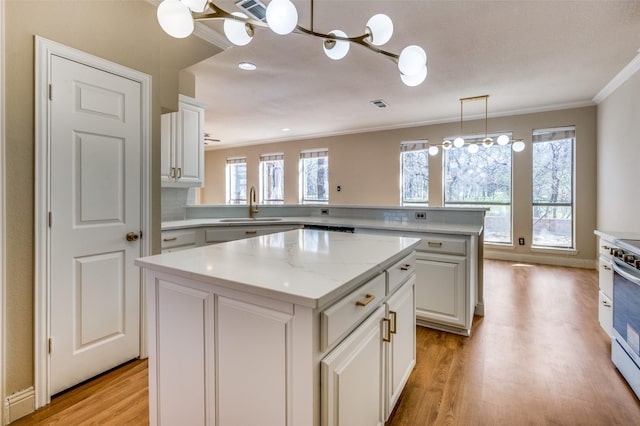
285,129
247,66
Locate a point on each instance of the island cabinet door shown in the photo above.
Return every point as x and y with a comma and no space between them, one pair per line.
254,363
402,348
353,376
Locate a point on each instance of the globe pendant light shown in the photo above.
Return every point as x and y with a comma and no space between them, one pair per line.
458,142
238,32
336,49
282,16
197,6
473,148
380,29
503,140
518,146
414,80
175,18
433,150
412,59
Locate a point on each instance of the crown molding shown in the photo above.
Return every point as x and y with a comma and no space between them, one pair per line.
617,81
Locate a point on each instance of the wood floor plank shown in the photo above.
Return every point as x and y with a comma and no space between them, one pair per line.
538,357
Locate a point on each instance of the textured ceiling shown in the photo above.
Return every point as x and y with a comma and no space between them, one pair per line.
527,55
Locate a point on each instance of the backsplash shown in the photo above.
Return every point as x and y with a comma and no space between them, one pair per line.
175,201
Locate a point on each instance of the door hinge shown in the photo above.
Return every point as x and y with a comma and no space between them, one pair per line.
50,92
50,219
50,345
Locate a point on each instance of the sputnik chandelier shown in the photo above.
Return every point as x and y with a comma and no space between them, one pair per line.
177,17
517,145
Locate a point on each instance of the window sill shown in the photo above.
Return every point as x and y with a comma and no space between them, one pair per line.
553,250
499,246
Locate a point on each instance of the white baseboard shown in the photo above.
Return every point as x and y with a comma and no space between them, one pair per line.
19,404
542,259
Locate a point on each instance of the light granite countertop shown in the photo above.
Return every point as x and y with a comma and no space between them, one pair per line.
307,267
390,225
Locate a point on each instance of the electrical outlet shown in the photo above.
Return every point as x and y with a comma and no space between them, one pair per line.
521,241
324,212
421,215
339,188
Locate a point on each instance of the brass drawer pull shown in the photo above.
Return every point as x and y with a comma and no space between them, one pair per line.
393,325
170,239
434,244
251,232
606,247
405,267
179,172
386,338
369,298
606,304
607,267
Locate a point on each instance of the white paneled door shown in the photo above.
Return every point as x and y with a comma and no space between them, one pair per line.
95,201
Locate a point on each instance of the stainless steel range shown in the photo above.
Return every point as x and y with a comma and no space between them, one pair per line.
625,345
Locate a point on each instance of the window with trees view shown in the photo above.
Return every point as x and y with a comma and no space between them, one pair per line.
481,179
314,177
272,179
414,159
553,187
236,180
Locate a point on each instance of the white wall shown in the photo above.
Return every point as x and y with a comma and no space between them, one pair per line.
618,149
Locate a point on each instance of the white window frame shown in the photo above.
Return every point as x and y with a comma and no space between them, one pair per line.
233,162
264,159
550,135
413,146
488,204
305,155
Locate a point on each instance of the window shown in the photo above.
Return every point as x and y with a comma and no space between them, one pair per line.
272,179
414,159
314,176
482,179
237,180
553,187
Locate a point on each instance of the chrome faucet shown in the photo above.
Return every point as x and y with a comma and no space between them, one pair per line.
253,209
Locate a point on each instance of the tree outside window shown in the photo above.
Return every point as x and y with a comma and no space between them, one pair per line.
314,177
236,181
415,173
272,179
553,187
481,179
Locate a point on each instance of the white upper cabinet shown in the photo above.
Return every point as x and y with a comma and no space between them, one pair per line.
183,144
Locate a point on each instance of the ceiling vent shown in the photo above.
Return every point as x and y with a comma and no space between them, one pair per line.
379,103
254,8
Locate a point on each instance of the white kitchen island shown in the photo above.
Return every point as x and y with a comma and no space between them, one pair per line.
303,327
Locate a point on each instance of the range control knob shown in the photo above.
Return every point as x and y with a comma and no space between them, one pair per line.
628,258
636,263
617,253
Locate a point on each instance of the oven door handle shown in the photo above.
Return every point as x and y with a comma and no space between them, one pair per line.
617,268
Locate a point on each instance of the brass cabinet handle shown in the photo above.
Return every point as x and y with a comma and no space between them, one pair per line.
172,173
386,338
606,247
250,232
606,304
394,315
434,243
179,172
607,267
170,239
369,298
405,267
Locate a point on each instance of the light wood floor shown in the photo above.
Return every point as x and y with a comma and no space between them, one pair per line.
538,357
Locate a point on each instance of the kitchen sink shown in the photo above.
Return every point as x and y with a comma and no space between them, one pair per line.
250,220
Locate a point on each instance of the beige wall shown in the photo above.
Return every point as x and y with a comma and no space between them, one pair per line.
125,32
367,167
619,158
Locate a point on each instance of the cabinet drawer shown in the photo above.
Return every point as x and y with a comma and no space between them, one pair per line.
605,277
447,245
351,310
399,272
178,238
219,235
605,313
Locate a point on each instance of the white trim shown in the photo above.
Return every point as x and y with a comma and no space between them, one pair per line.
549,259
3,412
630,69
45,49
19,404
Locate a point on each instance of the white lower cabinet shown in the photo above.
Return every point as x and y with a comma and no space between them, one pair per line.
443,299
605,281
363,377
353,376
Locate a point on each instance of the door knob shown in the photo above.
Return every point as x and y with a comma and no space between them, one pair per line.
132,236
